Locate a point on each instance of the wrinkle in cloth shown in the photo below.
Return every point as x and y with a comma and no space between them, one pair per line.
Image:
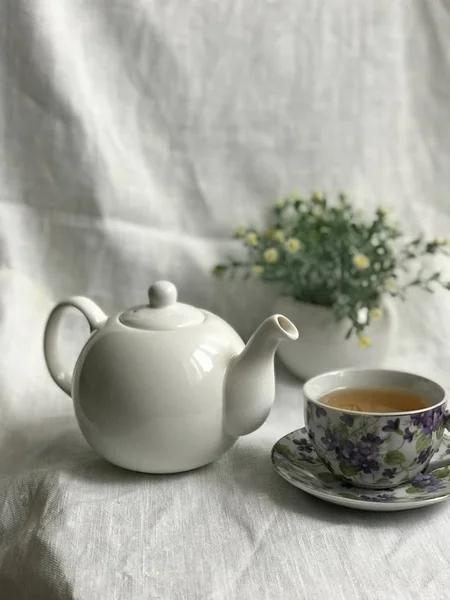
134,136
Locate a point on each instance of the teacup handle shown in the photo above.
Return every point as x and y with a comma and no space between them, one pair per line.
96,319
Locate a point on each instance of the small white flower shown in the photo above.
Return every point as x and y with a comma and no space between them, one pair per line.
278,236
251,239
293,245
360,261
363,341
240,231
376,314
390,284
271,255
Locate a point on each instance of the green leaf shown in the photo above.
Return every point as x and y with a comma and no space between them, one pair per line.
347,470
327,477
413,490
283,450
341,430
219,270
348,495
422,442
383,480
394,458
399,431
442,473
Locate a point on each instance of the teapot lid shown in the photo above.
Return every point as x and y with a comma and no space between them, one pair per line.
162,312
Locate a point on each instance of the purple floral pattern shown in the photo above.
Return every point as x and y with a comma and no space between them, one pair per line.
375,451
408,435
361,455
307,471
428,422
377,497
427,481
330,440
320,412
347,420
304,445
391,425
390,473
425,455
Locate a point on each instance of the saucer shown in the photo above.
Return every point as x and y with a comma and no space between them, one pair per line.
295,459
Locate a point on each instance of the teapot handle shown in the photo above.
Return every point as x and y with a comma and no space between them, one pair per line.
96,319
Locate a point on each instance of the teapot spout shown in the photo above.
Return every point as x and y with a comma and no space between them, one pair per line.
249,389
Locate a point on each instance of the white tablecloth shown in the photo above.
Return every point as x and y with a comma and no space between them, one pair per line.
133,136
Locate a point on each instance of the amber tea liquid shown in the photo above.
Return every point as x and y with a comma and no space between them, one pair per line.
373,400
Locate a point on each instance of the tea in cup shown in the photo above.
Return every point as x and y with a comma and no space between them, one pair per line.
375,428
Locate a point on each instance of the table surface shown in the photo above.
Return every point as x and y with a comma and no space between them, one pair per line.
73,526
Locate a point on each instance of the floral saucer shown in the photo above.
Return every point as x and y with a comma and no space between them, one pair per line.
295,459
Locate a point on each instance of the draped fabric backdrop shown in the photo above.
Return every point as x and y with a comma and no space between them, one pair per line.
134,134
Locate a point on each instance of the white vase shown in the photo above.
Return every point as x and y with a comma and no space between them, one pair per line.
321,345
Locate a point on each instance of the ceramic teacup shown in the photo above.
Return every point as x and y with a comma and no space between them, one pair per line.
375,450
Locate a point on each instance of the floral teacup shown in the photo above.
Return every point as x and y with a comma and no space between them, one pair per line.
375,450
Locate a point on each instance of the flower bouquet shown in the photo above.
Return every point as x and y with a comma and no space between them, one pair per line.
332,255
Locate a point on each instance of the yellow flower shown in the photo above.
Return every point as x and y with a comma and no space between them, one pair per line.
317,196
376,313
363,341
251,239
257,270
293,245
390,284
271,255
240,231
443,241
278,236
281,203
383,211
360,261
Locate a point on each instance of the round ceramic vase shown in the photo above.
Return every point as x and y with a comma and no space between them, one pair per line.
321,345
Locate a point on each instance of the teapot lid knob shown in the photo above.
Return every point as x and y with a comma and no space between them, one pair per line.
162,293
162,312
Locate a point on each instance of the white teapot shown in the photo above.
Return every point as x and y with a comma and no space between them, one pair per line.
166,387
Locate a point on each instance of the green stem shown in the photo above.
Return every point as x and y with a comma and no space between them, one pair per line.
401,446
363,427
